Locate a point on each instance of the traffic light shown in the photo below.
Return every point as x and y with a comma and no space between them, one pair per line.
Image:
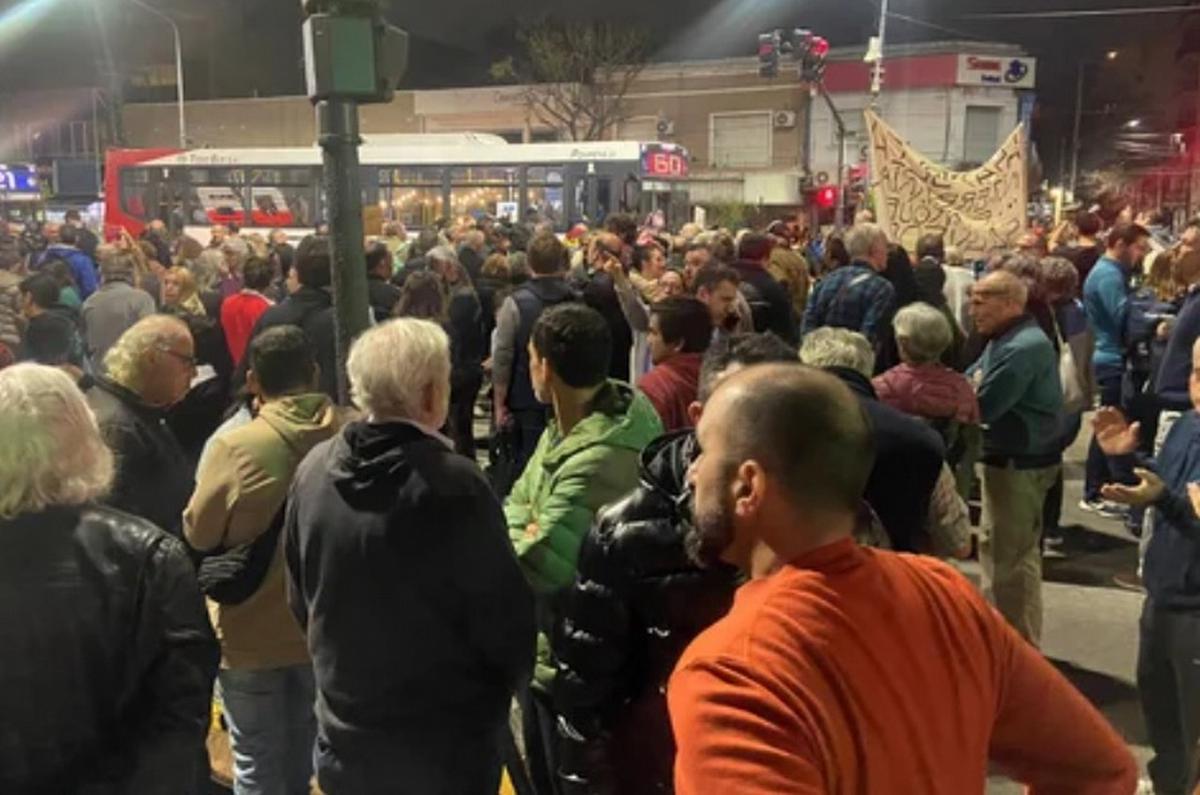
769,45
350,52
812,65
826,197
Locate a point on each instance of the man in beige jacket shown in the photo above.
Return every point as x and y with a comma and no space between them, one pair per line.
266,677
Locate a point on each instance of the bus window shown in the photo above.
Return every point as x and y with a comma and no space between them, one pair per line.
604,202
281,197
479,190
137,193
412,194
545,195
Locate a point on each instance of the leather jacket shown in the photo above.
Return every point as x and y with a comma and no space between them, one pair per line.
637,603
108,659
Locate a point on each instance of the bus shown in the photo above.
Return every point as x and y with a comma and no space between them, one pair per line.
414,179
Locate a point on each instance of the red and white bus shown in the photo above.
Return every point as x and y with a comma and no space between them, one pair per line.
414,179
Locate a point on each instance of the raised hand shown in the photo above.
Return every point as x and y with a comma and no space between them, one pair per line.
1148,490
1114,434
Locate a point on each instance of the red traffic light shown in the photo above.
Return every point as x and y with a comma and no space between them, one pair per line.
826,197
819,47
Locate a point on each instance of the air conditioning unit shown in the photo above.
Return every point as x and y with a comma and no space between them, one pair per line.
785,119
666,128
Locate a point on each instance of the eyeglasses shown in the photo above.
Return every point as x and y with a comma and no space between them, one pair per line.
187,359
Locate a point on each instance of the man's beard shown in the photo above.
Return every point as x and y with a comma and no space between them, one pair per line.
710,532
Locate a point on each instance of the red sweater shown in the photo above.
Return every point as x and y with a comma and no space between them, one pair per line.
239,313
852,671
671,387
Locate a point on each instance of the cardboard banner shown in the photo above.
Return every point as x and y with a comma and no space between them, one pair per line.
978,211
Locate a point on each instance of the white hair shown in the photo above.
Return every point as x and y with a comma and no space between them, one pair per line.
126,361
862,238
392,364
442,254
838,347
52,453
922,332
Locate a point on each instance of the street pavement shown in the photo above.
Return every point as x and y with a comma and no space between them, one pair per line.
1090,624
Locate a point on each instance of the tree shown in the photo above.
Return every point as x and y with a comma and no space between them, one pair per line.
576,74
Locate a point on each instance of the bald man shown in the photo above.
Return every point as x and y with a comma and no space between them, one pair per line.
841,669
1020,400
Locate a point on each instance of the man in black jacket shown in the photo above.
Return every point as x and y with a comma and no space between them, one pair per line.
769,302
381,293
467,346
108,659
515,404
148,371
310,308
908,453
638,601
418,619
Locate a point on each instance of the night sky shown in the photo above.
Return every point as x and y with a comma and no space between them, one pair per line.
249,47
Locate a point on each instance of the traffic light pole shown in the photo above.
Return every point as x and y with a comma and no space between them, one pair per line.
337,135
840,219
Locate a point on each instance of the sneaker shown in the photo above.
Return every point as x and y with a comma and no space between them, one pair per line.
1129,581
1109,510
1145,787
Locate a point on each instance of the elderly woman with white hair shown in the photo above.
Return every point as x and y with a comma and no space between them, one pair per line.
399,561
921,385
108,659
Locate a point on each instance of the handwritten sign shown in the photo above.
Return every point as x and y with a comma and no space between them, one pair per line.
977,211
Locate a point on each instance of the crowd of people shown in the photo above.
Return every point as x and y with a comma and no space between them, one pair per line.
705,553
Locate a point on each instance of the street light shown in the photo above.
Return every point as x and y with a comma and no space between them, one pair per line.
178,67
1112,55
1133,124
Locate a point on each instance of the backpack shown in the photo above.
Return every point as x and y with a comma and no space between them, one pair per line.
1146,311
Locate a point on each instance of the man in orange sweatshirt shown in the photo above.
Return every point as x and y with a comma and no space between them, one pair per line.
841,669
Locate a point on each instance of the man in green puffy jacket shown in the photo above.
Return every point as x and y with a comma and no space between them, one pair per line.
586,458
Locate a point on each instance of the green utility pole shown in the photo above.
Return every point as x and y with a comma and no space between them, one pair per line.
351,56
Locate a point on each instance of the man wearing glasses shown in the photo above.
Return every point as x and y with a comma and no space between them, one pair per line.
1020,400
147,371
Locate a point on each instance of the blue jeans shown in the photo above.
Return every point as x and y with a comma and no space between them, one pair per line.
271,728
1096,474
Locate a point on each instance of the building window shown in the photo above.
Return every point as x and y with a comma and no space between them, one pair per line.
982,134
740,140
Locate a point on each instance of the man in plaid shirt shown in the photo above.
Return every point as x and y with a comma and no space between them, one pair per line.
855,296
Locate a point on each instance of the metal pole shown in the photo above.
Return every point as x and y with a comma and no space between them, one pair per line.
838,122
337,125
178,67
1195,146
1075,136
877,77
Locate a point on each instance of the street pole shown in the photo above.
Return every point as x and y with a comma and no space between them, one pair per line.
840,220
337,124
1075,135
877,75
178,67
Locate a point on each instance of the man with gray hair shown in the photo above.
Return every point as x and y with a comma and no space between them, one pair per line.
418,620
115,307
1020,402
856,296
909,454
108,659
147,371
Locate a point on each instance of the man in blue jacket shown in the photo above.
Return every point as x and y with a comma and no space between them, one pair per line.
1021,400
1106,301
83,268
1168,675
